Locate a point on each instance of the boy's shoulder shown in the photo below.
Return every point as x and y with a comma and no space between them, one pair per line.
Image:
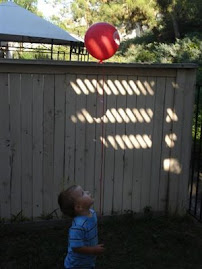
80,221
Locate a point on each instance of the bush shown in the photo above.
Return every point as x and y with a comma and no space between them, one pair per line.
183,50
186,50
140,53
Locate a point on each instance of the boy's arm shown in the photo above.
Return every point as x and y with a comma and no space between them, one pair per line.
95,250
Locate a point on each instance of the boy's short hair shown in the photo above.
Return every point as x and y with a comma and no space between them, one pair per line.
66,201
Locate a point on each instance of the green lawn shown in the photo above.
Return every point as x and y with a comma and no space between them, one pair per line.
139,243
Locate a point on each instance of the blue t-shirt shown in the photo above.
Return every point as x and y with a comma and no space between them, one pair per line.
83,232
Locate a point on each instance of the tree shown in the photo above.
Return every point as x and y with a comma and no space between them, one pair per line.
168,19
171,8
30,5
181,14
121,13
129,13
85,9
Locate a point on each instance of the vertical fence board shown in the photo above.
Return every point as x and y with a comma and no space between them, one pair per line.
146,137
15,131
149,85
129,172
27,140
157,141
175,158
109,152
119,154
101,110
70,130
58,138
129,130
80,134
38,84
186,132
138,158
132,82
48,132
141,132
4,147
98,149
90,113
168,142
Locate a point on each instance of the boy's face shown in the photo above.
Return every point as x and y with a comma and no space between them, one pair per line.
82,198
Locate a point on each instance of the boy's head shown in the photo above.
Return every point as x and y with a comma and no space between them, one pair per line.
75,201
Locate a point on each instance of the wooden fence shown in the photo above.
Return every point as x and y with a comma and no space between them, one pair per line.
122,131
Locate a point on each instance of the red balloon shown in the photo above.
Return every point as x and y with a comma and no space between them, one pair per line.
102,40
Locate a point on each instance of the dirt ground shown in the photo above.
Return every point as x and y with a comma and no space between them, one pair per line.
130,242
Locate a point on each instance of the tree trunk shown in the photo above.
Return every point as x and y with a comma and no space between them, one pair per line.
175,26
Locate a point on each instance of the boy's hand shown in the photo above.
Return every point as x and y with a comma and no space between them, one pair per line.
99,249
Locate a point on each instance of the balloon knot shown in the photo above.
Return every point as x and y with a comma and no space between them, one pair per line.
100,62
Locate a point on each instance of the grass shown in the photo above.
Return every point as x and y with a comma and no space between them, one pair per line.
140,243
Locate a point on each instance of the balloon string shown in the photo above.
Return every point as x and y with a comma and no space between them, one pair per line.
102,146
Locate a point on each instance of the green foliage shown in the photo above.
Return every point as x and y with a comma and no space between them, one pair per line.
147,38
199,75
30,5
31,55
88,10
197,119
123,14
23,55
179,17
196,128
127,13
168,19
140,53
183,50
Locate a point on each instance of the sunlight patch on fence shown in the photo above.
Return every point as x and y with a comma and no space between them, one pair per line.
112,87
114,115
82,86
116,87
172,165
170,140
171,115
90,85
127,141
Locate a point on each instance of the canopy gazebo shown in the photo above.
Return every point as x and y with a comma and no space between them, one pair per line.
20,25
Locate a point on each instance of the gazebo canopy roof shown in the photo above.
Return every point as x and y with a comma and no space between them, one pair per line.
20,25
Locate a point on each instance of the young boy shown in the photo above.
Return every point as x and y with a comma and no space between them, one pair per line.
83,236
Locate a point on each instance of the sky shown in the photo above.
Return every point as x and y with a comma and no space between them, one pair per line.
48,10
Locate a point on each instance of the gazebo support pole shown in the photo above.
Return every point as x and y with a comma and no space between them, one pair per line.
52,50
70,53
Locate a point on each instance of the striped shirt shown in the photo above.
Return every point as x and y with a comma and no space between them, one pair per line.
83,232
